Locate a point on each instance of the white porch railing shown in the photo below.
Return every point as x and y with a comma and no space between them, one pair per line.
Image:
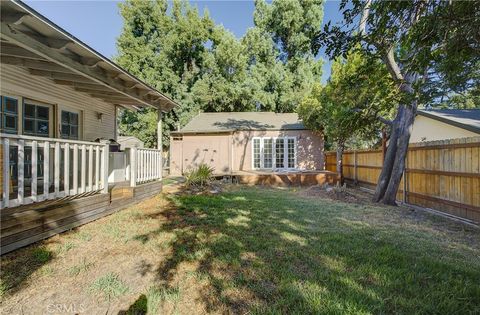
36,169
145,165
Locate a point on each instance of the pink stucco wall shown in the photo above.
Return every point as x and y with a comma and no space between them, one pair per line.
222,151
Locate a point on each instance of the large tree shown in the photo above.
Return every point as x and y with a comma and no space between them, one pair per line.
166,48
205,68
282,64
349,106
423,44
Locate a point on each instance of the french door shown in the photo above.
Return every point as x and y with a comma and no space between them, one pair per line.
274,153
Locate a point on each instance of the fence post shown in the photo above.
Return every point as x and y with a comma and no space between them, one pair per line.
405,186
355,181
106,151
133,167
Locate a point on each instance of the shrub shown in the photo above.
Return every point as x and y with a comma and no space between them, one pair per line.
200,176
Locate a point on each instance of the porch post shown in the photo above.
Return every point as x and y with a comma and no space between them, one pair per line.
133,167
106,154
159,130
159,144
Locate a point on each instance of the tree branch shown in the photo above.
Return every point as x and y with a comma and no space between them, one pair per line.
363,19
392,66
386,121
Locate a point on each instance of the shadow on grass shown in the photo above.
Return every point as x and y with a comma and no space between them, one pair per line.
18,266
268,251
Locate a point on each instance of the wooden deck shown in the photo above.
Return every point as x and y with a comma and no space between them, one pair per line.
287,178
21,226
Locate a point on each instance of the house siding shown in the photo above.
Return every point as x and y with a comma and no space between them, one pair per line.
233,152
18,82
428,129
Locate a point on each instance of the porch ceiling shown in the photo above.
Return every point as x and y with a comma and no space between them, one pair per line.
31,41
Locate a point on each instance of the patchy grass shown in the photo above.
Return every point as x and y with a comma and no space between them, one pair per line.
65,247
82,267
109,286
252,250
40,255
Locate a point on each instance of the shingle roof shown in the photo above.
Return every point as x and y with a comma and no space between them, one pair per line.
232,121
468,119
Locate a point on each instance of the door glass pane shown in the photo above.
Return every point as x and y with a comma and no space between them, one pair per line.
267,153
279,153
65,130
74,132
69,125
291,153
256,153
74,119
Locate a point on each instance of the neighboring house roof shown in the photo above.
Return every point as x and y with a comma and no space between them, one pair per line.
31,41
233,121
130,141
468,119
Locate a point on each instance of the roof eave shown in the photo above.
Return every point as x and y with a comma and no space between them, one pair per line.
131,90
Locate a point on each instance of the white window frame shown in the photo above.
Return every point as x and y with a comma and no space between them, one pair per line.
261,153
274,153
294,153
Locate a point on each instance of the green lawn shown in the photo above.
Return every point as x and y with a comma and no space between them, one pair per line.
263,251
303,256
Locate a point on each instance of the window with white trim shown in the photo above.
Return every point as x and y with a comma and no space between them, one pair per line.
274,153
280,152
256,153
291,152
267,153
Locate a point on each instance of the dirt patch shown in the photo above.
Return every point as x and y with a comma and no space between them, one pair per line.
350,195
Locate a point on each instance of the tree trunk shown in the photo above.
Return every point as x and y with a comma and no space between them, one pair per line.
340,149
402,149
389,159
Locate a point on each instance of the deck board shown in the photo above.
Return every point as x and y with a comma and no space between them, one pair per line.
287,178
27,224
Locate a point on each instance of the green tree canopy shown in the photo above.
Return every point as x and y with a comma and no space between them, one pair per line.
204,67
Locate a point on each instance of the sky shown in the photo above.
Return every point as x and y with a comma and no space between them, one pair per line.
98,23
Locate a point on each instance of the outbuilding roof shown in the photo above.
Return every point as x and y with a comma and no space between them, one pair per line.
233,121
31,41
468,119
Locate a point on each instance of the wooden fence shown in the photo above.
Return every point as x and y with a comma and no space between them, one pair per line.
442,175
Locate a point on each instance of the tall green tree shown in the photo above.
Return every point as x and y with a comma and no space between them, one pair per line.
281,59
422,44
166,48
205,68
357,94
222,86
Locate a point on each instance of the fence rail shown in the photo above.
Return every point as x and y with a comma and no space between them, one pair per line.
443,175
145,165
37,169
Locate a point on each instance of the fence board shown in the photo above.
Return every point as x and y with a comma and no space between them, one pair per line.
443,175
